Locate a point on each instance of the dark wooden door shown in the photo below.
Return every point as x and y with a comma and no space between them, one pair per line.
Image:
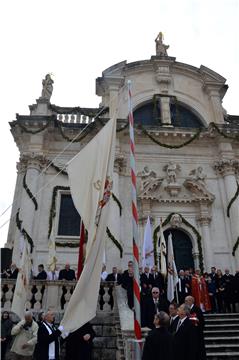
182,247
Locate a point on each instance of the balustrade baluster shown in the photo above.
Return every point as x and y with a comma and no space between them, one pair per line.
78,117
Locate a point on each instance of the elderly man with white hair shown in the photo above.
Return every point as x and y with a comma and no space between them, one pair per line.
48,345
25,333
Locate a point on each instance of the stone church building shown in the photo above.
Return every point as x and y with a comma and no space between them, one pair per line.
187,159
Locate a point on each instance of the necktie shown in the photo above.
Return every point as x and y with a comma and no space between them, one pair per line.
156,306
179,324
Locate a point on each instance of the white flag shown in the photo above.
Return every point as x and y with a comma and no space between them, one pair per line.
148,248
23,278
52,259
172,271
163,252
90,175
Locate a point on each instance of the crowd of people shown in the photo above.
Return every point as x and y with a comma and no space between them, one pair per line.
42,340
176,326
213,292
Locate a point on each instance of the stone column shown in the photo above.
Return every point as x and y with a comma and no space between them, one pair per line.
227,169
165,110
204,221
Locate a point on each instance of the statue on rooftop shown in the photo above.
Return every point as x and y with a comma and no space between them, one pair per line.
161,48
47,87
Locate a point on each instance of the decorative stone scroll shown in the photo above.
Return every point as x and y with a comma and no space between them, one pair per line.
226,167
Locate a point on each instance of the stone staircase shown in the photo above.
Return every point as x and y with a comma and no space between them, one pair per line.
222,336
108,343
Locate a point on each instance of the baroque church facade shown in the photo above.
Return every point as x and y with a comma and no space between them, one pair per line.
187,160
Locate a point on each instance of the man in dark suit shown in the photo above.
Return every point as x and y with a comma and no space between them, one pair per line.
196,316
42,275
185,342
146,281
114,276
12,272
158,279
159,342
174,318
228,280
79,343
153,305
182,287
67,273
48,345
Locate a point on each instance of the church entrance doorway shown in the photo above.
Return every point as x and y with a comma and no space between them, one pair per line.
182,247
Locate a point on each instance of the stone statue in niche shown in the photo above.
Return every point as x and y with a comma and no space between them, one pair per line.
172,169
176,221
161,48
47,87
198,175
146,177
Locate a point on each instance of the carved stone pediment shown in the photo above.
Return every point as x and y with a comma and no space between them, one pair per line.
191,191
151,189
198,190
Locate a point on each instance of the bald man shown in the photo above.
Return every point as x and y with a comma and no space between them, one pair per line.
67,273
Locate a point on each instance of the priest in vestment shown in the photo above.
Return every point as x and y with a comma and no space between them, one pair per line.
200,292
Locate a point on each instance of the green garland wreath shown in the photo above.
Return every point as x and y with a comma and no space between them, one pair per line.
67,244
236,245
195,136
213,125
116,242
33,131
23,231
85,132
29,193
198,236
114,197
53,206
232,200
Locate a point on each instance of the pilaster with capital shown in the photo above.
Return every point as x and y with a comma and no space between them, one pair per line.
228,168
204,220
113,85
215,98
30,166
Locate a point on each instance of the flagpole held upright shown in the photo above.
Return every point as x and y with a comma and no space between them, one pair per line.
137,325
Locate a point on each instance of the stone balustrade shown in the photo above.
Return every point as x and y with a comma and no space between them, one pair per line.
54,295
75,118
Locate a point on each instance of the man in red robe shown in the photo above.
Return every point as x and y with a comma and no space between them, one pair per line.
200,292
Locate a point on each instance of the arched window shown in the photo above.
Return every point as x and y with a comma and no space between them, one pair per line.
181,116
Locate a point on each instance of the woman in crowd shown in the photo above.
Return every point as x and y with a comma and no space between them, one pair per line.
6,327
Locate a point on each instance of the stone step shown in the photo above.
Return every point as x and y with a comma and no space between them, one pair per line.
224,321
222,326
221,339
221,315
213,332
223,355
222,348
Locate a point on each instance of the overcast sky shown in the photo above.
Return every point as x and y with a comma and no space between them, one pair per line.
77,40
